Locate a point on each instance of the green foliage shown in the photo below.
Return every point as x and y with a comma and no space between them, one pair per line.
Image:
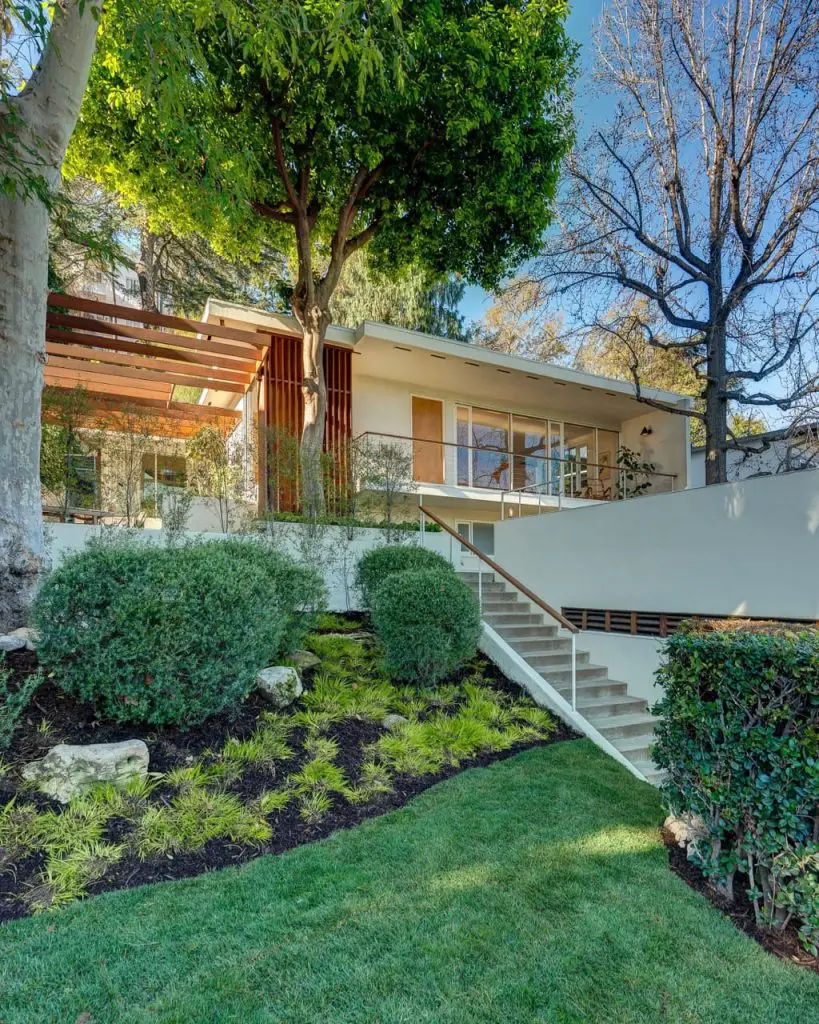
300,591
343,697
158,635
66,877
633,472
329,622
458,112
738,735
376,564
193,818
428,623
349,522
14,702
374,781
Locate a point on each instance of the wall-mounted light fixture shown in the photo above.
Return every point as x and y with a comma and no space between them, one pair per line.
646,430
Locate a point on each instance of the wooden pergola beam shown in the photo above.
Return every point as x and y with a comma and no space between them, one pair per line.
67,379
212,374
84,325
154,351
176,323
157,377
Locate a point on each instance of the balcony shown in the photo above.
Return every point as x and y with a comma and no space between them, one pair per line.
525,479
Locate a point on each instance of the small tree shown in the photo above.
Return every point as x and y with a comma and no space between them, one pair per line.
216,470
123,440
384,475
65,413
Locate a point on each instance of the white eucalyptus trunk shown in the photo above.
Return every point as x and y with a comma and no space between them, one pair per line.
47,110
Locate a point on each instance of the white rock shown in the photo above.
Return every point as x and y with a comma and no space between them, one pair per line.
393,721
68,771
686,829
29,636
280,684
305,659
12,642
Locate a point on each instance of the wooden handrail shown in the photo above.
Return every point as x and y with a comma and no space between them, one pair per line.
493,565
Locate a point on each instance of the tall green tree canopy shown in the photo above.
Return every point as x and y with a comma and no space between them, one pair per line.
431,130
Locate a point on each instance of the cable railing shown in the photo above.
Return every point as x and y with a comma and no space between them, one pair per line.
530,595
527,477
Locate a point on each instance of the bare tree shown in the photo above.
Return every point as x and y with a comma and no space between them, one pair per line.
36,122
702,198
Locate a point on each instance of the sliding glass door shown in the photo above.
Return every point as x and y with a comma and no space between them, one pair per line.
483,453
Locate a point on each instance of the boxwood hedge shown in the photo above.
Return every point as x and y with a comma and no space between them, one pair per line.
377,564
428,623
159,635
739,738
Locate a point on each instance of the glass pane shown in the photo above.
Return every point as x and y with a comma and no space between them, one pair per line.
464,529
555,457
578,451
483,537
82,481
606,472
170,474
529,447
490,434
463,453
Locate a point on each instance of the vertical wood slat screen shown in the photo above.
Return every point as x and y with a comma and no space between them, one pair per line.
282,376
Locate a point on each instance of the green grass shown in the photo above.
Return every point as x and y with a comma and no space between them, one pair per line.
535,890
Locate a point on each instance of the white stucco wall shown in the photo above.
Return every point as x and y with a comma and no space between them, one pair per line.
744,548
337,556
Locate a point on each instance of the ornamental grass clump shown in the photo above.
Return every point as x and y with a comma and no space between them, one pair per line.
158,635
738,735
428,623
376,565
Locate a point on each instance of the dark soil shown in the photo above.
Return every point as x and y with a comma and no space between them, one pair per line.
70,721
740,910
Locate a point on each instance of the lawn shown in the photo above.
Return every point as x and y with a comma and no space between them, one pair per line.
533,890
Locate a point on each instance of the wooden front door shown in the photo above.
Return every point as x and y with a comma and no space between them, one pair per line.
428,426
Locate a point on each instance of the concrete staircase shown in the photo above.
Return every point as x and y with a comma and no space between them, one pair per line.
605,703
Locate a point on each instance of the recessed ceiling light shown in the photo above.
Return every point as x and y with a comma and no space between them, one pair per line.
531,376
436,356
584,388
402,348
498,368
467,363
562,383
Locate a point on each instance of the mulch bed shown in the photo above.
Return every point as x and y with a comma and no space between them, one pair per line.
740,910
76,723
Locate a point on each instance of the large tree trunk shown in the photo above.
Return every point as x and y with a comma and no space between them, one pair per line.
716,410
145,270
314,322
46,111
23,286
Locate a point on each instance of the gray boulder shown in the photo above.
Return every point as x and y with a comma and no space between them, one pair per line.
11,642
686,829
69,771
280,684
29,637
305,659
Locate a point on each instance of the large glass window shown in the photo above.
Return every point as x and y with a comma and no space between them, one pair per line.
579,451
82,481
606,474
529,448
160,474
490,443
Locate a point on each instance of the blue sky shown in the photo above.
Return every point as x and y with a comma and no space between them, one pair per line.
579,25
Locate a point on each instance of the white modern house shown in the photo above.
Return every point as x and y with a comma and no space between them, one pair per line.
491,436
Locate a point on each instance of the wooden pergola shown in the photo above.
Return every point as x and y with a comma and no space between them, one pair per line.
125,356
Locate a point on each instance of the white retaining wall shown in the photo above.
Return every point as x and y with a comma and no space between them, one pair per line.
745,548
333,552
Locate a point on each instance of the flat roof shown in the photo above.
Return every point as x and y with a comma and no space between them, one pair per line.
369,333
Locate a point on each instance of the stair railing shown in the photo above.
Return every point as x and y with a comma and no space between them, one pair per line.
530,595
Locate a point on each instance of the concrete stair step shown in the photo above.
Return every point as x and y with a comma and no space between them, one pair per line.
594,688
613,705
490,588
548,644
471,576
492,605
562,672
560,655
515,631
650,771
618,726
635,748
513,618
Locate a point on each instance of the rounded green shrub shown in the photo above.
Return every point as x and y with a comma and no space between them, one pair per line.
158,635
378,563
300,589
428,623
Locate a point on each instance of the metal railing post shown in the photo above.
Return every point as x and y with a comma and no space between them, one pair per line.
422,517
480,589
574,671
